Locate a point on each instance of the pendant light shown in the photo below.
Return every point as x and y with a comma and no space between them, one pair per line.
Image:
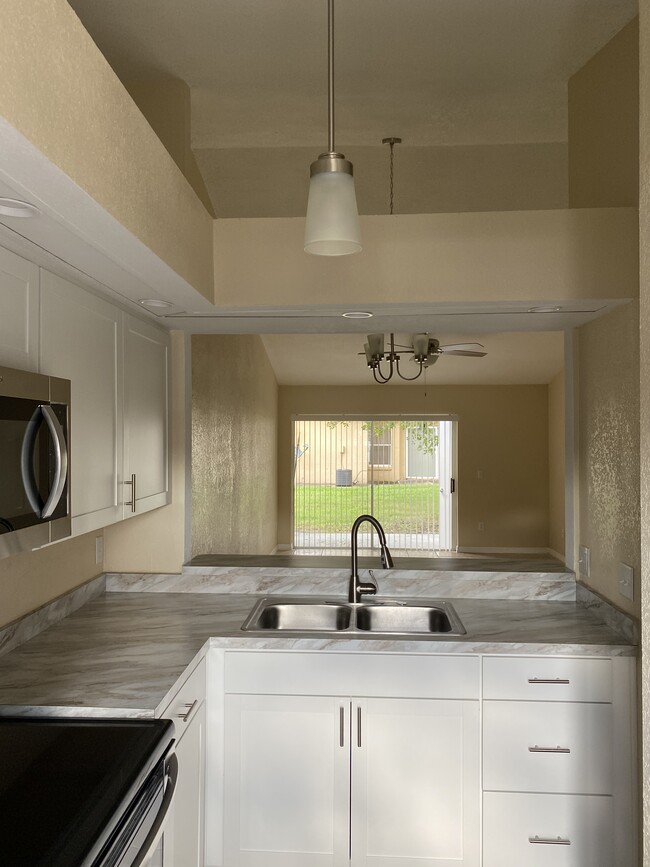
332,225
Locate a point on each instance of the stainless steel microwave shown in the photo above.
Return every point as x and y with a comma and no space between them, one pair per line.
34,460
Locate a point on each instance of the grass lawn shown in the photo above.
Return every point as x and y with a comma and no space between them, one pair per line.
400,508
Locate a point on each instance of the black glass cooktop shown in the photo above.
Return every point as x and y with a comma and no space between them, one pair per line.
62,780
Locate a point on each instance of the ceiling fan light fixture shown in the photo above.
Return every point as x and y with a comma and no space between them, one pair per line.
357,314
332,224
547,309
420,347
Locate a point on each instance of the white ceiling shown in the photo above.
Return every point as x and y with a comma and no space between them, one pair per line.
333,359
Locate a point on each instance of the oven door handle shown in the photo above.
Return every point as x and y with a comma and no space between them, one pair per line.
61,456
151,841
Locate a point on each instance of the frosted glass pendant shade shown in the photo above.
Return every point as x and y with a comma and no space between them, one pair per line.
332,226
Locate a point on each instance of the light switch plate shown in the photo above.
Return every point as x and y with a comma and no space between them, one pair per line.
584,561
626,581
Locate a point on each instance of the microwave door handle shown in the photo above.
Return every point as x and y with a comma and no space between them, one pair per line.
27,462
61,457
155,832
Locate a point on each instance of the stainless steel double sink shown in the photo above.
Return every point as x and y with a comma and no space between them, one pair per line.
385,617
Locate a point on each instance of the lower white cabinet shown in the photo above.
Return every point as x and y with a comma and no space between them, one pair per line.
321,780
532,830
184,835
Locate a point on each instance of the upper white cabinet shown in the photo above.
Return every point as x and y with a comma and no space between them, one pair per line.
19,291
146,416
81,341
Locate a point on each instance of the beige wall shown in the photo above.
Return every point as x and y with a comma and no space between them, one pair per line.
57,89
258,182
556,480
604,125
644,217
28,581
502,430
155,541
609,449
234,446
521,256
166,105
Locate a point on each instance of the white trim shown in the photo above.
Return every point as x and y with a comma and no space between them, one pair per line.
463,549
393,416
571,449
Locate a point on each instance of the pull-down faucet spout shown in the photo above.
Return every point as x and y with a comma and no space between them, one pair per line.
365,588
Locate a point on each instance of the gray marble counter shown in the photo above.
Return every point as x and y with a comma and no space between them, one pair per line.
121,653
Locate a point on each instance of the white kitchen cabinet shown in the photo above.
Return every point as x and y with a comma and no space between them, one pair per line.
328,780
81,341
559,762
19,303
415,783
146,416
183,838
287,781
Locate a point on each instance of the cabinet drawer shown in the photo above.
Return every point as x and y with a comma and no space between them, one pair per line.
540,678
380,675
511,822
558,747
187,700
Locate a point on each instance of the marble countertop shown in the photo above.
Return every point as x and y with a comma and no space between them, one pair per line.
121,653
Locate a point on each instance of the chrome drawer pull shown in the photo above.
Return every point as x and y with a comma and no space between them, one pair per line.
537,749
550,841
190,707
548,680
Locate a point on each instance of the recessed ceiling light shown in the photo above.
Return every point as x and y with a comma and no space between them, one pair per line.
549,309
16,208
357,314
156,303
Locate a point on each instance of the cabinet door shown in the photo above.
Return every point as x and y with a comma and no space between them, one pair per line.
287,765
146,415
81,341
415,783
183,837
19,291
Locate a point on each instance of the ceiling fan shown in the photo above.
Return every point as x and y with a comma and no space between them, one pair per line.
425,351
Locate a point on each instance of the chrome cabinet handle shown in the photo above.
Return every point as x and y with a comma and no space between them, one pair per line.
341,726
537,749
551,680
359,726
188,713
550,841
131,502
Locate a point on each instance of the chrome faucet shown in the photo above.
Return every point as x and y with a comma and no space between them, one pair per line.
366,588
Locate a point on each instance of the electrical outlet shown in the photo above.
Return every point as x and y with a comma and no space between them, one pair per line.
626,581
99,550
481,525
584,561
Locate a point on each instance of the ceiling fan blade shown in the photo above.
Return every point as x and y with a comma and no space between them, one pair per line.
468,352
469,346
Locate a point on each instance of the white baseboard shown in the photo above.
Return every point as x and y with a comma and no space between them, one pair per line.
465,549
557,555
279,548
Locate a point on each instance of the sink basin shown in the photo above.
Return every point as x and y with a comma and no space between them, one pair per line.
409,619
299,616
277,614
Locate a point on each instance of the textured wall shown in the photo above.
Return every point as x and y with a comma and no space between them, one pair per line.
234,446
644,219
609,449
556,482
57,89
502,430
604,125
155,541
